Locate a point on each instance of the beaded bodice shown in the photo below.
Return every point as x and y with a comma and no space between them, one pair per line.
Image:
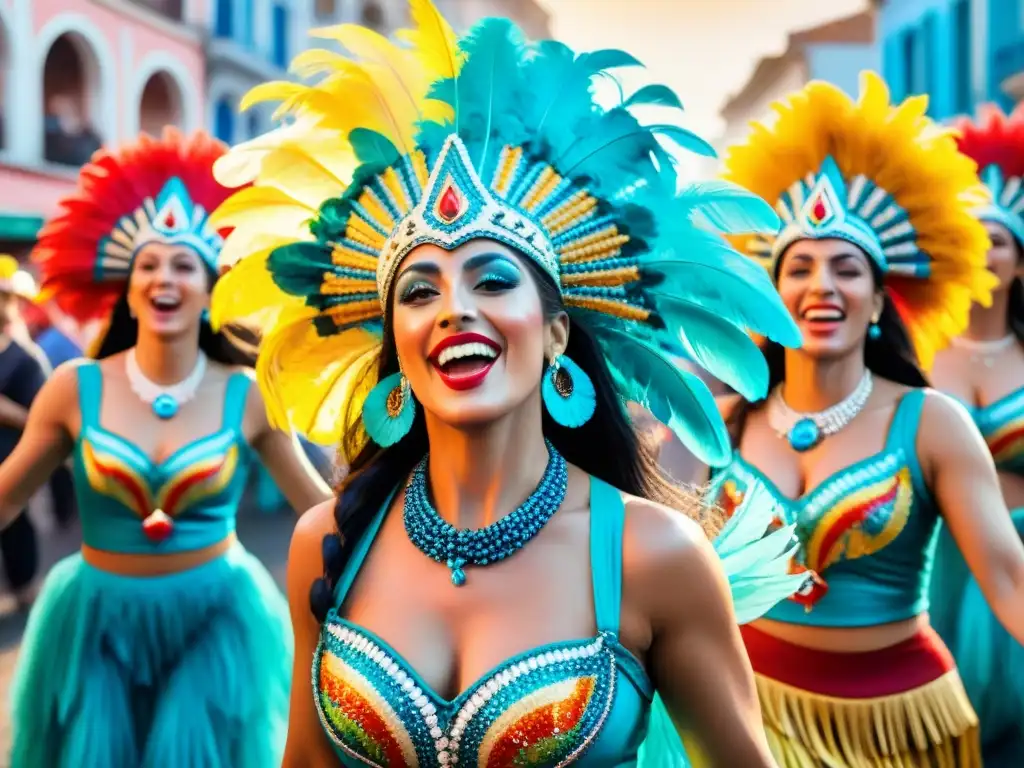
566,702
1002,425
130,504
866,533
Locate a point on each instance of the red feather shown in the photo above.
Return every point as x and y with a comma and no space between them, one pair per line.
994,139
112,185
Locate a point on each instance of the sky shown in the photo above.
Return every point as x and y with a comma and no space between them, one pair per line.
704,49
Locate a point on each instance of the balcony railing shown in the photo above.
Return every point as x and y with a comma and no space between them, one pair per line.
67,148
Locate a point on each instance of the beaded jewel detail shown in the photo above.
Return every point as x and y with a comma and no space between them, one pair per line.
541,709
444,543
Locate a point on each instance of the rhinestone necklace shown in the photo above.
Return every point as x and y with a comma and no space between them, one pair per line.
457,547
984,352
165,401
806,430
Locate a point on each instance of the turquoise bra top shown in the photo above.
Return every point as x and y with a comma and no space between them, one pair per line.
1002,426
129,504
867,533
578,701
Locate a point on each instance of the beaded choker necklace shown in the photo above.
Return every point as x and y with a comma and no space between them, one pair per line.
806,430
457,547
986,351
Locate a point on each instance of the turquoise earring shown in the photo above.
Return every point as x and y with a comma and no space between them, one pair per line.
874,332
568,393
389,410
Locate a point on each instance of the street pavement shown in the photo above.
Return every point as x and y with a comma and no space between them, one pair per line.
266,535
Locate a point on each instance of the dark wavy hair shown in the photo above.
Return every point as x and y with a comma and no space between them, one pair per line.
231,346
607,447
1015,312
890,356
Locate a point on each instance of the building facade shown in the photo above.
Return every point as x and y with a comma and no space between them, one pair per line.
75,74
836,52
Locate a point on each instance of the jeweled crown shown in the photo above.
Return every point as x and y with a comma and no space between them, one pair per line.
170,218
456,207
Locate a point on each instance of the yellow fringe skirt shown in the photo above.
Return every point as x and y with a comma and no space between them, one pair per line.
898,707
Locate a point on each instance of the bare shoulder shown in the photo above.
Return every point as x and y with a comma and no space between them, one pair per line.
666,558
61,388
946,425
305,563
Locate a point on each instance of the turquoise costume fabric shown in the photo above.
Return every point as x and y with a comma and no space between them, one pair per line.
867,532
586,700
189,670
991,662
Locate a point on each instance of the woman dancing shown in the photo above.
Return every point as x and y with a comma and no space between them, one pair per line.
163,642
492,264
878,261
984,369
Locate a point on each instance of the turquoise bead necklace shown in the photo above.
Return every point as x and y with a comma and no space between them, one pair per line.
458,547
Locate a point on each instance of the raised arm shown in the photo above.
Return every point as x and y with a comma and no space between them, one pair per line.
45,442
959,470
696,660
307,746
284,458
12,415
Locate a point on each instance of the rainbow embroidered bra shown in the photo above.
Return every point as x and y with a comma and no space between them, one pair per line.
885,178
438,140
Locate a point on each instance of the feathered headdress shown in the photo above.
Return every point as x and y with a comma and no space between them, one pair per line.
996,143
15,280
155,190
883,177
442,141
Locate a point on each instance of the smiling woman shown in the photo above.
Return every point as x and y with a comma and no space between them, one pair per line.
163,642
466,282
878,261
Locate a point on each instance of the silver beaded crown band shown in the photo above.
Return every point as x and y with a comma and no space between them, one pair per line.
805,430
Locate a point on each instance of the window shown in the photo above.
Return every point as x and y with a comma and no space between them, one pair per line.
325,10
373,15
962,57
926,62
255,124
225,18
224,121
909,54
280,26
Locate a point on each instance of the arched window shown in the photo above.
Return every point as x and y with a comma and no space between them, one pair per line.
373,15
254,124
69,92
224,121
160,104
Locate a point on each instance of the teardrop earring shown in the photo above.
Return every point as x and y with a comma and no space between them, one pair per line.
568,393
389,410
874,332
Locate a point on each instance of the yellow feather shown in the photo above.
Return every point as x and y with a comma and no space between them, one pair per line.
258,205
432,40
298,173
247,295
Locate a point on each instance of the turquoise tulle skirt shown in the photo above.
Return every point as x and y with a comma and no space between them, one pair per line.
991,663
190,670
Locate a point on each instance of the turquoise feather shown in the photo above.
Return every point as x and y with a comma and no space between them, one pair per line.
727,208
654,94
676,398
298,268
608,58
576,409
373,148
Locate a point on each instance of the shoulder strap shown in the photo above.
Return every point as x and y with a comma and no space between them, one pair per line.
235,394
90,393
903,434
607,520
355,561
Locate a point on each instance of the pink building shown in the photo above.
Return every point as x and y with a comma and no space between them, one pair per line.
75,74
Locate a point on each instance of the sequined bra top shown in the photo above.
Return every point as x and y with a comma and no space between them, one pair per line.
866,533
584,702
129,504
1002,425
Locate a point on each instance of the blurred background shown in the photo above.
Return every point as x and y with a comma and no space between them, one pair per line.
77,74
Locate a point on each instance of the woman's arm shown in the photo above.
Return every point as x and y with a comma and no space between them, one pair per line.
959,470
284,458
696,659
44,444
307,746
12,415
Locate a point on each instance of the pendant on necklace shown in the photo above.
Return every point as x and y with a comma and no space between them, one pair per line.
458,575
804,435
165,406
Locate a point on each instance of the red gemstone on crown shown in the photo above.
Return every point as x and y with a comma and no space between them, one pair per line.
157,526
449,207
818,210
169,219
